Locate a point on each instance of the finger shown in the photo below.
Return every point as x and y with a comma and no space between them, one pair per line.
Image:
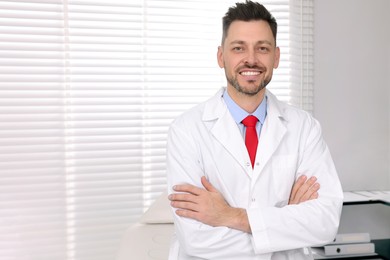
182,197
208,186
184,205
314,196
187,214
300,181
310,193
187,188
304,188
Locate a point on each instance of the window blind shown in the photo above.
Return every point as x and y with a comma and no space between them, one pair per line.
88,89
33,210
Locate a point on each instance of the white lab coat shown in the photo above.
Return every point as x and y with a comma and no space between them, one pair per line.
206,141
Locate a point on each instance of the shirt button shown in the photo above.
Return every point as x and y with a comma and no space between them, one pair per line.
248,164
253,200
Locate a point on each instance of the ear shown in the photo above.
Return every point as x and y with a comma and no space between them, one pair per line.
220,57
277,57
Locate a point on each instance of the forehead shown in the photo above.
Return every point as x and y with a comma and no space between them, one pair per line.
251,31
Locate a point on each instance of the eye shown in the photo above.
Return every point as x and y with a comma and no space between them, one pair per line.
238,49
263,49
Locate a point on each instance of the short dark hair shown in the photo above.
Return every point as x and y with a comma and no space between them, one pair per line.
248,11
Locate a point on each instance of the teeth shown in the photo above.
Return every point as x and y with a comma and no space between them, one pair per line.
250,73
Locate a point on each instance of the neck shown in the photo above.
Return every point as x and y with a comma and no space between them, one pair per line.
246,102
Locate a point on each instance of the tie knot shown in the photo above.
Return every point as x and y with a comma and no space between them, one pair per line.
250,121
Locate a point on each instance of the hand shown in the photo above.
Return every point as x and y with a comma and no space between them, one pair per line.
207,206
304,190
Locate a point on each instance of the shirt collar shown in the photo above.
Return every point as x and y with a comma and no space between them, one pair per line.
239,114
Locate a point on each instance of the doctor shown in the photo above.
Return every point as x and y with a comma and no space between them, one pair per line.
232,201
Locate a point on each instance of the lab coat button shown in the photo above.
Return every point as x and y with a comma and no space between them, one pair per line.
253,199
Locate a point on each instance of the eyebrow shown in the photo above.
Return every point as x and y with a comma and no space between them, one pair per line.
258,42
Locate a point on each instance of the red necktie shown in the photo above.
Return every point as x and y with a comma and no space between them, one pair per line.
251,139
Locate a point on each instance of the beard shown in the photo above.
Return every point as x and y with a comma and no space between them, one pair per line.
247,91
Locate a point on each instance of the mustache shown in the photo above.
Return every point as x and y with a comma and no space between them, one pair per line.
256,67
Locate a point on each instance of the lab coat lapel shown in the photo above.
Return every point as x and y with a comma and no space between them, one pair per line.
227,133
272,134
225,130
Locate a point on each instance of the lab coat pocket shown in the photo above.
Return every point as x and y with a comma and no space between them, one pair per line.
283,175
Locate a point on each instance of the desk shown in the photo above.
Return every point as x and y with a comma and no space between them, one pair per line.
366,197
351,198
382,248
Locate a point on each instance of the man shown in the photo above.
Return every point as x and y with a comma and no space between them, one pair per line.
234,202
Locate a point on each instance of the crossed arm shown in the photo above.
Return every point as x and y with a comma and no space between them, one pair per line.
207,205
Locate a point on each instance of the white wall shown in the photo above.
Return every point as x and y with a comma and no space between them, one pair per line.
352,88
388,74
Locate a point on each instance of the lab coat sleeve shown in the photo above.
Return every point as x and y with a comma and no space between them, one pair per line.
196,238
311,223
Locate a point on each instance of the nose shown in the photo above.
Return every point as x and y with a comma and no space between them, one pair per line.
251,58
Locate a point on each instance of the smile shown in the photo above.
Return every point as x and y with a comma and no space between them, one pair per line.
250,73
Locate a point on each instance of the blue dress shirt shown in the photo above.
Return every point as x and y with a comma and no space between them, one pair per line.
239,114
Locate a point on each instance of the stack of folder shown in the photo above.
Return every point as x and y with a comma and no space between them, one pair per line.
346,245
